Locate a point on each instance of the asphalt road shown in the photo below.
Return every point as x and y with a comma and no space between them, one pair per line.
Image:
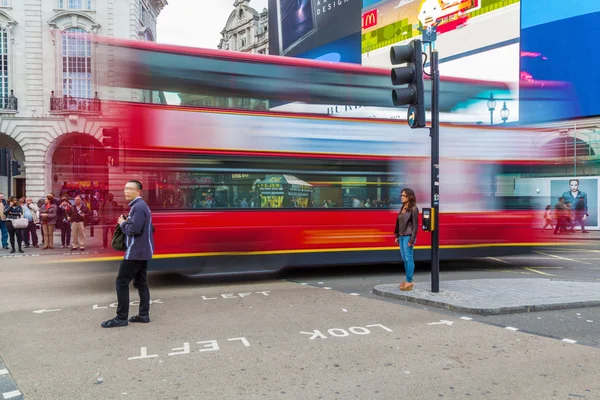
307,334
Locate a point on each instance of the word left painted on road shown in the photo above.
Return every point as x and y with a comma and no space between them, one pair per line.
133,303
205,345
234,296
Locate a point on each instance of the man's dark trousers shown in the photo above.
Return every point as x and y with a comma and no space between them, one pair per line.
30,234
135,270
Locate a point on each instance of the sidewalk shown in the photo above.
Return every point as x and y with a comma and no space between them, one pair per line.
499,296
576,235
92,245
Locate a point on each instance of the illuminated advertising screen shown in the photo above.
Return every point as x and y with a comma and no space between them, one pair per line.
476,39
327,30
559,42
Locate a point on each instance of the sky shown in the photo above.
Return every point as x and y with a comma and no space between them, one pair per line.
197,23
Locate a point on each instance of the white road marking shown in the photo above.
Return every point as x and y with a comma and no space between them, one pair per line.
319,283
538,272
3,371
588,320
10,395
304,283
327,288
499,260
466,318
510,328
44,311
354,294
442,322
571,341
561,258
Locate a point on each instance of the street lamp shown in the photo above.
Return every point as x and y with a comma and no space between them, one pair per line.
504,113
491,104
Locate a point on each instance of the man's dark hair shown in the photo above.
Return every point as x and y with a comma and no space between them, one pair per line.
138,183
573,180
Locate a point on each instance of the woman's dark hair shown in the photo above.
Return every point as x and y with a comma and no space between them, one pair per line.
11,199
548,207
412,199
50,198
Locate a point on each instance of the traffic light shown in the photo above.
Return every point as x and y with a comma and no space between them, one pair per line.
16,168
4,162
111,144
411,75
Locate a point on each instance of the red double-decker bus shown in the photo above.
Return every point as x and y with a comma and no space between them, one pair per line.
257,190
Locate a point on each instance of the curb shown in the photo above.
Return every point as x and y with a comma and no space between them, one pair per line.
8,387
487,311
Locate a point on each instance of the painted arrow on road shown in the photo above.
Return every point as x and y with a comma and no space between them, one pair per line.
44,310
442,322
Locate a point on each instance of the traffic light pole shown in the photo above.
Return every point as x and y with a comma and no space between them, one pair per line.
9,172
435,171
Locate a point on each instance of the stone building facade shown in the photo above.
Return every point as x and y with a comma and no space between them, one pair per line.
50,74
246,30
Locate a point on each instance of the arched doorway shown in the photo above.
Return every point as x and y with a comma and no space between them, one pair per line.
16,185
567,147
79,165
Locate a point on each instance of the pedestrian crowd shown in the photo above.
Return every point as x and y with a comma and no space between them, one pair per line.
21,219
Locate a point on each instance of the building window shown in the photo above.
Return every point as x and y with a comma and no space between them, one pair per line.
4,3
77,63
143,14
148,36
74,4
4,92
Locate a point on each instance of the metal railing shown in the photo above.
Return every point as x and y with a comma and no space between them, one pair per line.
9,103
68,104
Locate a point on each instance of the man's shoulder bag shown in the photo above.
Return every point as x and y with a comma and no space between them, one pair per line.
118,240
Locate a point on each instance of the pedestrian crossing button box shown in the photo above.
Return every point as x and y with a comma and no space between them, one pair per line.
427,219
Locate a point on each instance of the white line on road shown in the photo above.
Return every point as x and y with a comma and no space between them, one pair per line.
510,328
442,322
569,341
3,371
561,258
538,272
466,318
10,395
498,259
45,310
354,294
327,288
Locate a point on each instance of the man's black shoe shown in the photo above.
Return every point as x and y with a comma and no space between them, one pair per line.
137,318
114,323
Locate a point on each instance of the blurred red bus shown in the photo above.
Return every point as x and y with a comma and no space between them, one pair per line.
258,191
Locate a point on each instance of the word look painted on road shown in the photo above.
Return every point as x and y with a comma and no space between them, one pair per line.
337,332
239,295
206,345
133,303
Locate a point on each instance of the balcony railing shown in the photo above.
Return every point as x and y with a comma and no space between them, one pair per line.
9,103
68,105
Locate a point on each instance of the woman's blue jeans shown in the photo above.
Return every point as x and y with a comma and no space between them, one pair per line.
406,252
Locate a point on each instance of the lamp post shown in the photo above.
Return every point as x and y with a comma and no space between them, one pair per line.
504,113
491,105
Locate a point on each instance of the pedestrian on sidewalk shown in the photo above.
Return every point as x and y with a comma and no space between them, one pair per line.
109,213
77,217
30,211
48,216
14,212
139,240
407,225
65,225
548,218
3,230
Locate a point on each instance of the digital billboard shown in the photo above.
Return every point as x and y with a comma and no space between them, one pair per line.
316,29
476,39
559,42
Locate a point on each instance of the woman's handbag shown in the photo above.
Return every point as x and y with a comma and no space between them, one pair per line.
20,223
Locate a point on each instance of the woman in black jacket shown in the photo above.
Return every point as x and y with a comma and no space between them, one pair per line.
407,226
14,211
